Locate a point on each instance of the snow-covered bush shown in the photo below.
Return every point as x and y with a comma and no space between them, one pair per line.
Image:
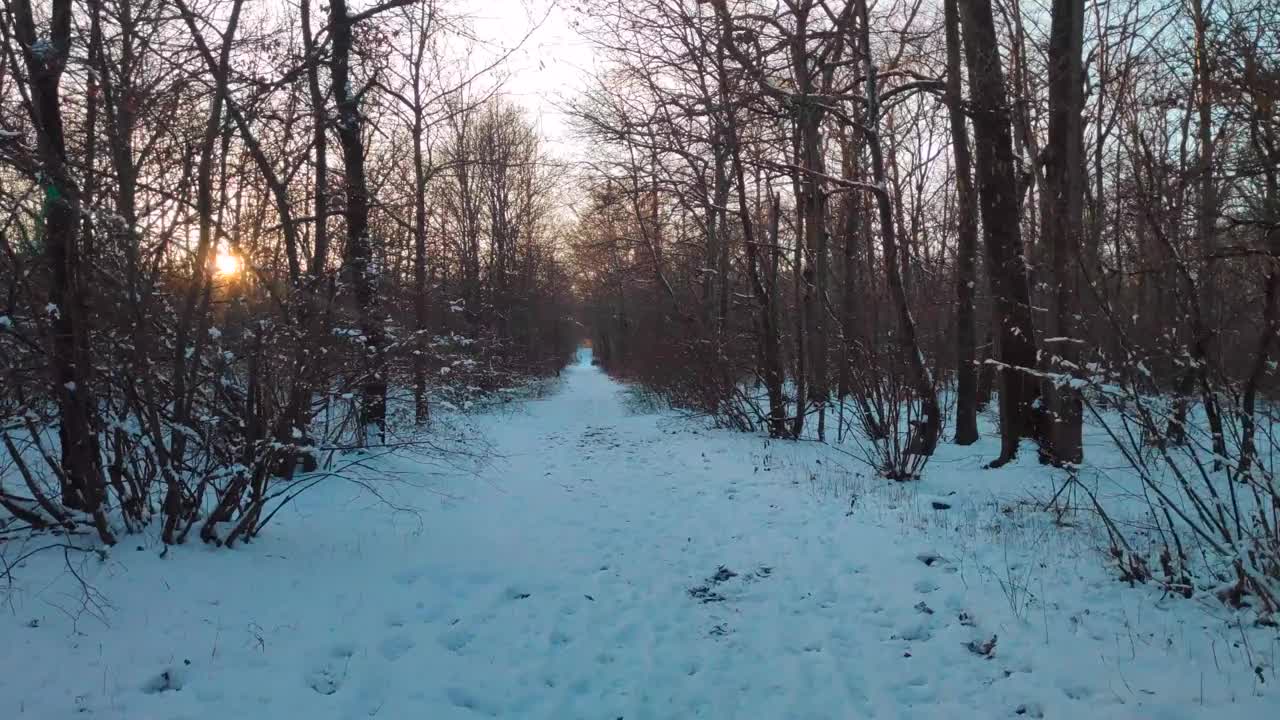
886,416
1210,488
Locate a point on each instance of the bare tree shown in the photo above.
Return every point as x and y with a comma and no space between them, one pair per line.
966,432
70,359
998,194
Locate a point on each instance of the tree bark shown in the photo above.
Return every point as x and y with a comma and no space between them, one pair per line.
967,241
421,178
814,271
998,202
359,272
319,141
70,355
1063,228
1207,219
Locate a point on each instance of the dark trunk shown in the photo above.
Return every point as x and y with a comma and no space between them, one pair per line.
70,358
967,243
359,272
1062,229
998,202
814,271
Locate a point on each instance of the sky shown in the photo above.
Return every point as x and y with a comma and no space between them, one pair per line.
548,67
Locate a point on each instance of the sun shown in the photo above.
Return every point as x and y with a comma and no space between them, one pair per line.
227,264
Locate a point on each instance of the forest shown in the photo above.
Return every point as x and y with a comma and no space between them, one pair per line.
250,249
824,220
239,235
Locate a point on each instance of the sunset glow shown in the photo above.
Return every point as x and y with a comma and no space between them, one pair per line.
227,264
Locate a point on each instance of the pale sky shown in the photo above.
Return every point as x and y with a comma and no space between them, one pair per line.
547,69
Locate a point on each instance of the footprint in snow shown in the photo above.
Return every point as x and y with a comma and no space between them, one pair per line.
1031,710
171,679
916,691
925,586
463,698
327,674
1078,692
456,639
395,647
916,632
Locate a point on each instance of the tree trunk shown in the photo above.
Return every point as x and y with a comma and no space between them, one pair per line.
358,270
998,194
319,141
1270,312
421,176
1207,221
421,408
801,365
1207,211
1063,226
924,439
815,262
967,243
849,226
70,357
763,292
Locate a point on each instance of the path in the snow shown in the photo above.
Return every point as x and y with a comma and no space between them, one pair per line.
610,565
603,553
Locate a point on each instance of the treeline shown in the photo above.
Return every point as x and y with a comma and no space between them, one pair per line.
880,217
805,193
237,236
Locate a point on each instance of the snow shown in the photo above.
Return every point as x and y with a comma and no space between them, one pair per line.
616,564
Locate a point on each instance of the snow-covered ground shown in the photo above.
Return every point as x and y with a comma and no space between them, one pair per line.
615,564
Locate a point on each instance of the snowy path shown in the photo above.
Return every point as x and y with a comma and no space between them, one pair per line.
560,587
